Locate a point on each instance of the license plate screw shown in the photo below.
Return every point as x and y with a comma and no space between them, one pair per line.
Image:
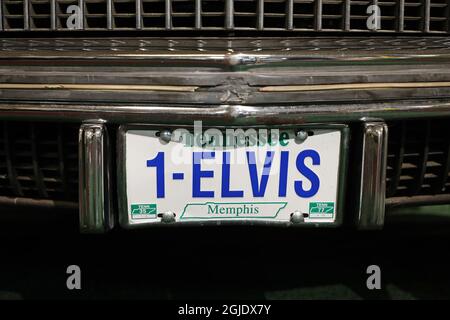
297,217
165,135
301,136
168,217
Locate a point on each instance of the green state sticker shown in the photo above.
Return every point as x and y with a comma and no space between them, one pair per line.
143,209
321,207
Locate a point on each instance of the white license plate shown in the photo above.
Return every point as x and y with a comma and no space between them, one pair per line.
282,179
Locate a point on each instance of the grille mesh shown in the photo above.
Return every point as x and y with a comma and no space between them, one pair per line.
418,158
39,160
420,16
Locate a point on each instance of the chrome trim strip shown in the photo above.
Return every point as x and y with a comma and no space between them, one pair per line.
81,4
99,87
347,11
372,196
109,9
225,114
347,86
286,45
94,199
231,52
212,80
219,59
226,96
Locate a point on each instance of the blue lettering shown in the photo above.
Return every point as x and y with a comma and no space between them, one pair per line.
283,173
198,174
226,192
307,173
158,162
259,189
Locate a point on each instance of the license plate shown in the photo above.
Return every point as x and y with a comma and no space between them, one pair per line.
279,176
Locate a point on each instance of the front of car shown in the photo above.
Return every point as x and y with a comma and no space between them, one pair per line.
145,113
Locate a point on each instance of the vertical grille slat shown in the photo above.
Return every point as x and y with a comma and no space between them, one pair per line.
82,11
109,15
26,15
53,22
260,14
426,27
139,14
290,14
347,15
198,14
401,15
168,14
318,15
229,14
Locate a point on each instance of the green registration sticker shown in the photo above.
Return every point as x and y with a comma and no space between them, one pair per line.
321,208
144,209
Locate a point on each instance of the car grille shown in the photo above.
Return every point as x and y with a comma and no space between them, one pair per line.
419,16
39,160
418,158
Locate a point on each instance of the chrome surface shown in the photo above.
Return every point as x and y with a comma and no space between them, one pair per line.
227,114
95,192
301,135
373,176
297,217
168,217
230,52
165,135
207,44
414,16
235,93
224,71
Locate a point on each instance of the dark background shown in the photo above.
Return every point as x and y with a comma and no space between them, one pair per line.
224,263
